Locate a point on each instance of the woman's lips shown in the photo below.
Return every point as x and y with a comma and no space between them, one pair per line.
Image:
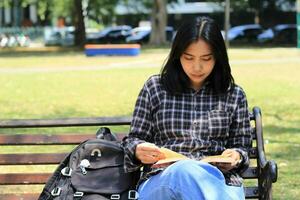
197,75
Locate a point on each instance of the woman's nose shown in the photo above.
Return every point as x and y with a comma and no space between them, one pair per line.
198,66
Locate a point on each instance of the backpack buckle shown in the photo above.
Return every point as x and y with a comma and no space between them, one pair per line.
96,152
132,194
115,196
67,171
56,192
78,194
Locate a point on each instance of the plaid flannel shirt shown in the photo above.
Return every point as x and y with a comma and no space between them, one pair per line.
195,124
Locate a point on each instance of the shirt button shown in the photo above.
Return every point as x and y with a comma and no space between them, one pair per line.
195,123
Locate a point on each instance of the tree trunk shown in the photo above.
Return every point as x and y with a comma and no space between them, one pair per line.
79,23
256,17
158,22
227,21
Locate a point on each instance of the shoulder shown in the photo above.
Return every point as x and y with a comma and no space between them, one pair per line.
237,93
154,90
238,90
153,83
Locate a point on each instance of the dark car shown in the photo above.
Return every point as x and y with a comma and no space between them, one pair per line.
280,34
114,34
244,33
141,35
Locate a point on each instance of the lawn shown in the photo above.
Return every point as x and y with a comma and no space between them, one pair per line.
68,84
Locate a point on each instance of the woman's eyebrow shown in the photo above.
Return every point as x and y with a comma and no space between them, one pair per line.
187,54
209,54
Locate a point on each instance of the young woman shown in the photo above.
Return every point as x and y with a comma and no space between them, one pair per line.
194,108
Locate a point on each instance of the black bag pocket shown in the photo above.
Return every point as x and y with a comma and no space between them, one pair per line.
94,197
106,180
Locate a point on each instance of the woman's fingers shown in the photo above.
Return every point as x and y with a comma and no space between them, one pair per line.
235,158
148,153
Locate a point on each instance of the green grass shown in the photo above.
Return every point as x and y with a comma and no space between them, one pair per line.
68,84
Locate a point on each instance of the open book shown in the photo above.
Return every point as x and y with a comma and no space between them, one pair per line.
172,156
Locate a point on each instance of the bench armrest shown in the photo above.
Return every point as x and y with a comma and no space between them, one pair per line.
263,163
267,169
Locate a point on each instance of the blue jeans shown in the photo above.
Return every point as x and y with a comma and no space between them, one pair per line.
189,180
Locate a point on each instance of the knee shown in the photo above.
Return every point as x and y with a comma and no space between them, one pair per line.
160,193
182,169
191,169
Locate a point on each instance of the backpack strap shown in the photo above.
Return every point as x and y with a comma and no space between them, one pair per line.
105,134
50,186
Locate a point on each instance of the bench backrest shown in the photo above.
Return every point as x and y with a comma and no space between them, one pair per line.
251,189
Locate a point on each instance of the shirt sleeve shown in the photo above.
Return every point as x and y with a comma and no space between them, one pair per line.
240,132
140,130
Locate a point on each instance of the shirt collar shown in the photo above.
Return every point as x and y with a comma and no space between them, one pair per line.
203,88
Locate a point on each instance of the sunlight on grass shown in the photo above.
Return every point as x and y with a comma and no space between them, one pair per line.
80,86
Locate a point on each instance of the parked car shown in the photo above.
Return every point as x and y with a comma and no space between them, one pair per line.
54,36
141,35
279,34
244,33
113,34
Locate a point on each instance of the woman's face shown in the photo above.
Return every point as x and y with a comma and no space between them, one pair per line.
197,62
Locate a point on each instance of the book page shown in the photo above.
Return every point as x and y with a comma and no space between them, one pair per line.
172,156
218,159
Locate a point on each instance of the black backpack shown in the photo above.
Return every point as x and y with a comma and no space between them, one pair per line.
92,171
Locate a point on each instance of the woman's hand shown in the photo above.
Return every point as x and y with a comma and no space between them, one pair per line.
148,153
236,157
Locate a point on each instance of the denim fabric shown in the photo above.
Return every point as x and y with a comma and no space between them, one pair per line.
189,180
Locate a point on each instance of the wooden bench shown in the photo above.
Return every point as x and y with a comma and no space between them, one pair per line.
262,172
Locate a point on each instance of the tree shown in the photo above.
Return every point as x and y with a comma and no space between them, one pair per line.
73,10
79,24
158,22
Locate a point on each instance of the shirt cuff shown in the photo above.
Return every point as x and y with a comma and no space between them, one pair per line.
244,163
131,163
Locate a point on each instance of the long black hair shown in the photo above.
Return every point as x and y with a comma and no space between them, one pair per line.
174,79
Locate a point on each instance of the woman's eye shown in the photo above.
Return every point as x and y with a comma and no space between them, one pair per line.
188,58
206,59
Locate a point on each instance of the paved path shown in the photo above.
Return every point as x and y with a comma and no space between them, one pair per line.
153,63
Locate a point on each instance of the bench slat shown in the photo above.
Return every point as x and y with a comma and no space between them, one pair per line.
27,196
32,159
41,178
48,139
44,139
64,122
251,192
24,178
250,173
42,158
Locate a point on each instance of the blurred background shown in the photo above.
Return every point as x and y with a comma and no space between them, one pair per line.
32,23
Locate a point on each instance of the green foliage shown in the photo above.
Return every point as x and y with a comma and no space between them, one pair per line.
5,3
102,11
255,4
62,8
